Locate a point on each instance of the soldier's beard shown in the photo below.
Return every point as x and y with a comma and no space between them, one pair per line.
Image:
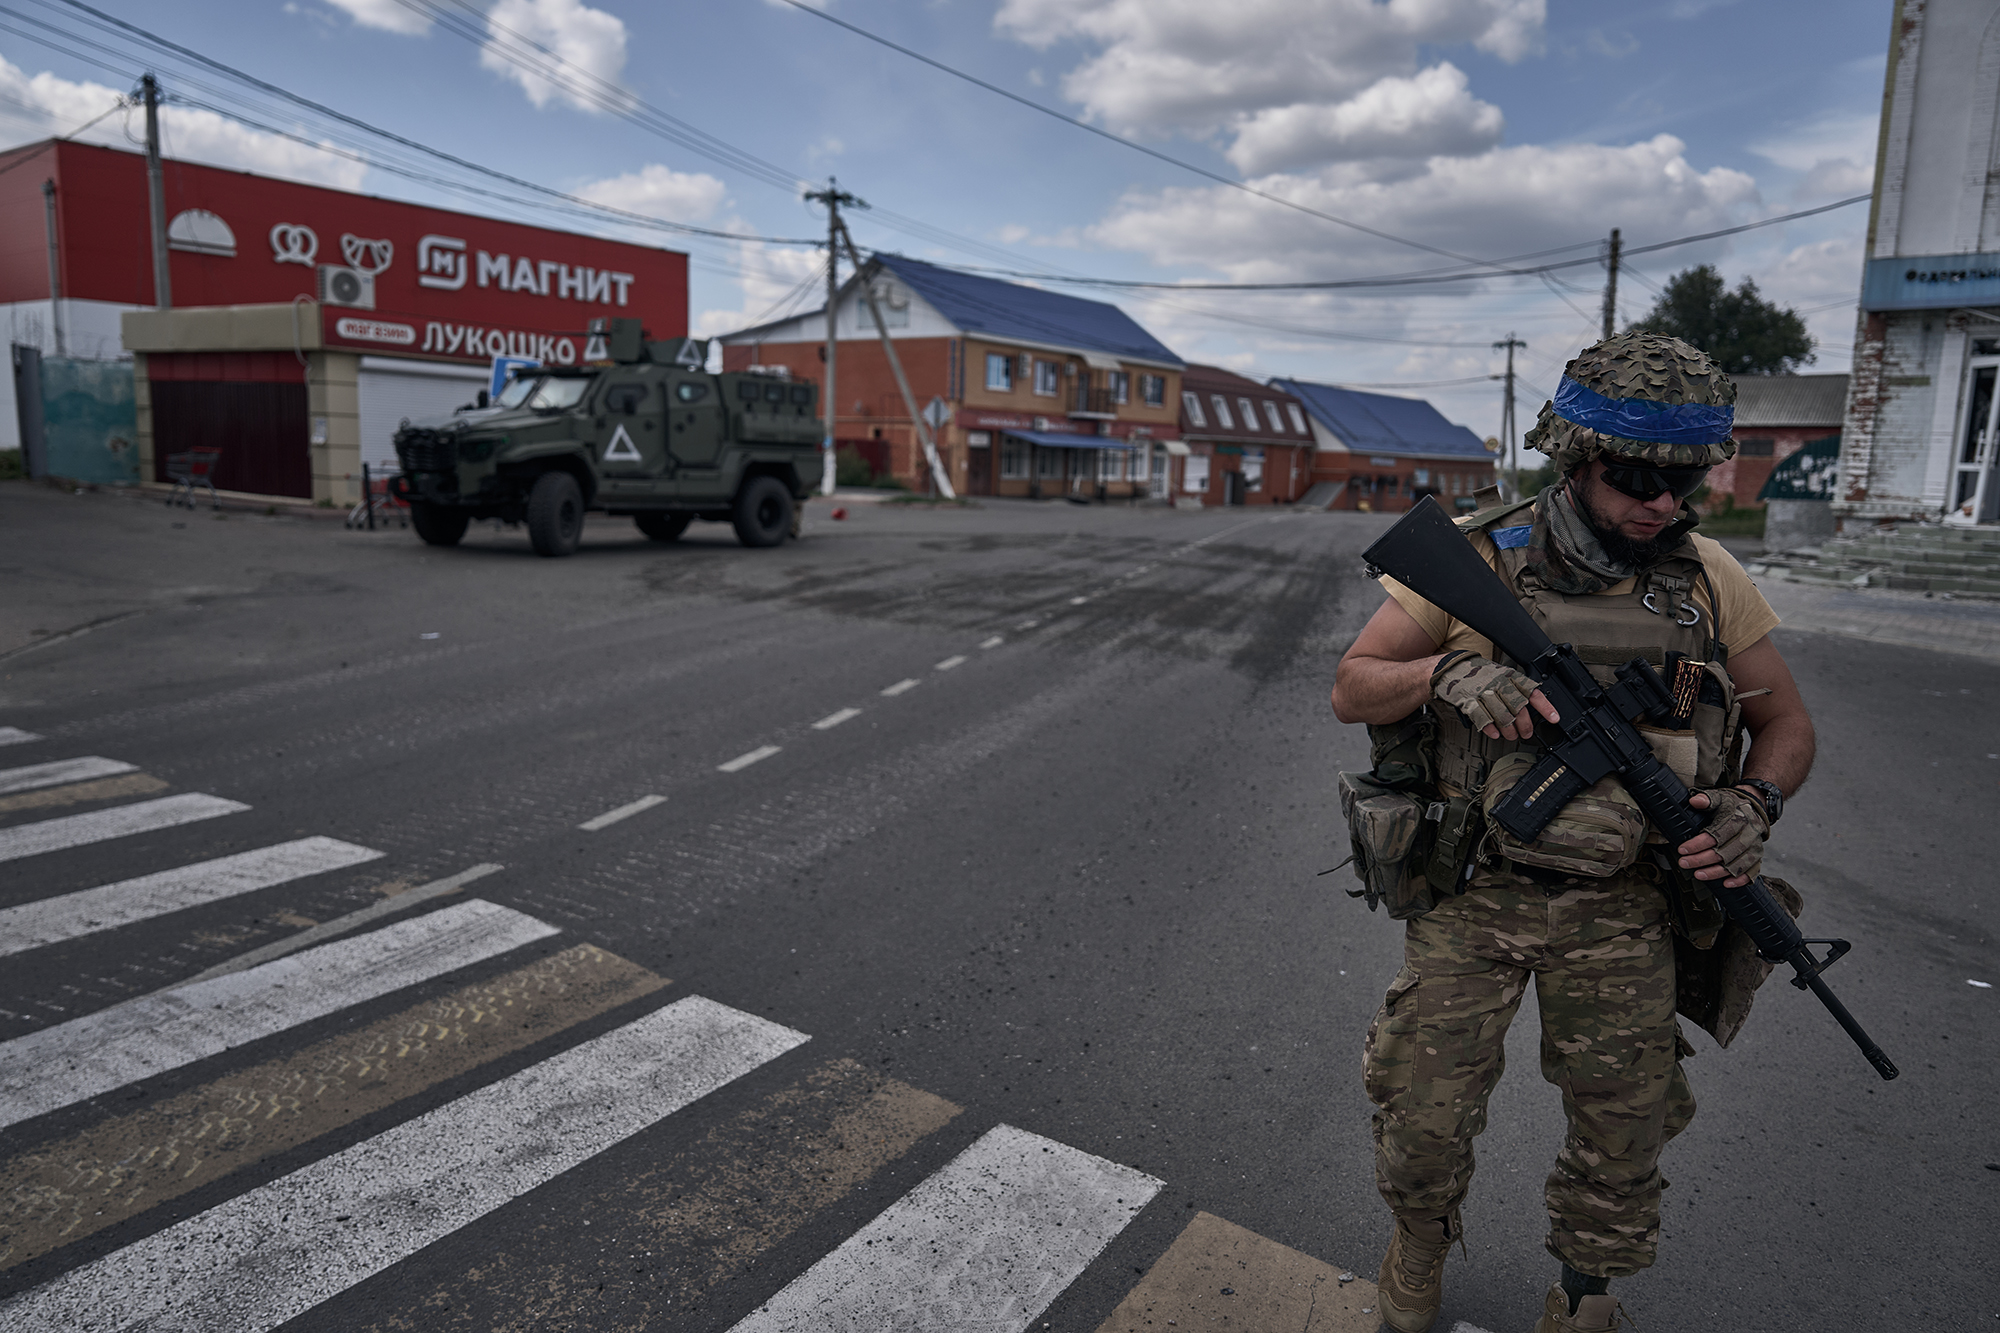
1622,549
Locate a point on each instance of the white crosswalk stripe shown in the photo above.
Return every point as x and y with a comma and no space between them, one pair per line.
986,1243
267,1256
54,835
59,771
98,1052
16,736
32,925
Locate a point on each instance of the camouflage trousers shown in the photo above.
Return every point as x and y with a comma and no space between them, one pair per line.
1602,956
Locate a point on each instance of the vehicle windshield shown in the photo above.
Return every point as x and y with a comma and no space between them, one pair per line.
543,393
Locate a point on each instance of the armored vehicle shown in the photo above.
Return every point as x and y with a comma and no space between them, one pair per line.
647,432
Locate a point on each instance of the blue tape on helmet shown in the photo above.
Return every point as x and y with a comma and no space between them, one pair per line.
1639,419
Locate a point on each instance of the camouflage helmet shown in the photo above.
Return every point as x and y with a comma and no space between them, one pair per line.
1642,396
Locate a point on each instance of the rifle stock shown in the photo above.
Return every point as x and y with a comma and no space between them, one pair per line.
1426,552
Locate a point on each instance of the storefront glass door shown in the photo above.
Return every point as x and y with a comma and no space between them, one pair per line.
1974,496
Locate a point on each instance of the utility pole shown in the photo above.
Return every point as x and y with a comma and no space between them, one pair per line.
1507,450
833,197
917,420
1611,286
55,265
156,194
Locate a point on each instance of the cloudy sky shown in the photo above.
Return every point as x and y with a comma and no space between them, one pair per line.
1480,128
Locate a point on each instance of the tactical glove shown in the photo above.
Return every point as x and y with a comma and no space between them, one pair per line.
1485,693
1737,822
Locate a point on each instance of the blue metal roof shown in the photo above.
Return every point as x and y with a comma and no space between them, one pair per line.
1062,439
1376,423
1010,310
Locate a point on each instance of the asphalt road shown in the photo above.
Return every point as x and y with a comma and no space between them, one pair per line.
1064,881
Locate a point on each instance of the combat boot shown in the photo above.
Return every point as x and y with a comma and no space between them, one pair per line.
1412,1280
1594,1314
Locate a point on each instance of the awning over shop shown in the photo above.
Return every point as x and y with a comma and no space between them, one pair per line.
1063,439
1176,448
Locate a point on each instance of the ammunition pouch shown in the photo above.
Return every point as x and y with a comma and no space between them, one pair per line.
1413,847
1598,833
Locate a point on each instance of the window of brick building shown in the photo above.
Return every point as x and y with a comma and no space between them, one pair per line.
1153,388
1249,410
1191,402
1298,418
1754,448
1271,415
1000,372
1013,459
1045,378
1222,417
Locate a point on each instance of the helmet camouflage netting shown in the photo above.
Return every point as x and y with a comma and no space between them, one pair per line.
1642,396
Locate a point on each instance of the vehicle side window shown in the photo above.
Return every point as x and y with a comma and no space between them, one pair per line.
689,391
802,393
625,398
749,391
774,393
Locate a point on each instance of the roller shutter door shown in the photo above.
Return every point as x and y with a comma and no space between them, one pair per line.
391,390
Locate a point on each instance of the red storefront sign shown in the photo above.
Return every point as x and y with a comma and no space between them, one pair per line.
390,276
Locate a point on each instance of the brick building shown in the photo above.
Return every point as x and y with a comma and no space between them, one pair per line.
1384,453
1046,394
1776,416
1248,443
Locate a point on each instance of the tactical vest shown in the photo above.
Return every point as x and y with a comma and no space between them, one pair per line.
1658,617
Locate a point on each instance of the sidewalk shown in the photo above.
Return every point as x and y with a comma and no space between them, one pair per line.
1911,619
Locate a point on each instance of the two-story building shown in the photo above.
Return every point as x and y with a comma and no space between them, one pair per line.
1776,416
1384,453
1248,443
1042,394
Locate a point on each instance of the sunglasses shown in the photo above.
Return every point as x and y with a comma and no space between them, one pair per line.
1643,482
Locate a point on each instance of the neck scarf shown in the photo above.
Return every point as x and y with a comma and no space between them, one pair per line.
1565,552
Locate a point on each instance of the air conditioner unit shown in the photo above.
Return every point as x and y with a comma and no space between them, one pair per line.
339,285
1027,365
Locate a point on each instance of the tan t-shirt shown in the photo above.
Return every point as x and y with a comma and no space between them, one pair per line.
1745,616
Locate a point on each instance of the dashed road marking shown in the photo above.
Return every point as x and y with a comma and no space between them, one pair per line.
87,1056
1028,624
109,906
610,817
1078,601
832,720
53,835
275,1252
16,736
743,761
986,1242
949,663
59,771
900,687
993,642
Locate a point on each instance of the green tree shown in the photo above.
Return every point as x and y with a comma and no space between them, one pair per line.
1746,334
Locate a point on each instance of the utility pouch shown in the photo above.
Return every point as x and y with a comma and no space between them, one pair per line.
1455,823
1387,828
1598,833
1403,755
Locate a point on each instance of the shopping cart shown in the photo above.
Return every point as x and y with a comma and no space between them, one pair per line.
379,499
196,467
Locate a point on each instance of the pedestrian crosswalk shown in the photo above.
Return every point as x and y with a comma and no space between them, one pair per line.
552,1057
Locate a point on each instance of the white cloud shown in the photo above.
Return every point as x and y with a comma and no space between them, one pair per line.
42,105
387,15
1197,66
1433,113
677,196
768,277
1506,200
591,41
1834,155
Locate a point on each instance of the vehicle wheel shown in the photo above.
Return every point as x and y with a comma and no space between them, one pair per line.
555,514
763,512
662,526
438,525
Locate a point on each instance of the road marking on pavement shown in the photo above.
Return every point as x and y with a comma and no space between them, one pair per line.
993,642
269,1255
16,736
342,925
949,663
79,793
709,1209
900,687
1217,1274
1028,624
1462,1327
98,1052
60,771
743,761
53,835
60,1192
610,817
832,720
1078,601
986,1242
32,925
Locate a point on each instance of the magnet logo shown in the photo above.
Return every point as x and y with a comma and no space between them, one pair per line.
621,449
366,255
292,243
441,263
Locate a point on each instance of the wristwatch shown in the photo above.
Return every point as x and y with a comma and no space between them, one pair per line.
1769,793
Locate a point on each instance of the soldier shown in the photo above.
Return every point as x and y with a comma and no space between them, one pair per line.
1605,559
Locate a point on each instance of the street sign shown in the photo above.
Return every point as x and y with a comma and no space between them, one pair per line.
937,413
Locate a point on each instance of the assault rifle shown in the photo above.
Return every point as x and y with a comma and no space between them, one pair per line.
1596,738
